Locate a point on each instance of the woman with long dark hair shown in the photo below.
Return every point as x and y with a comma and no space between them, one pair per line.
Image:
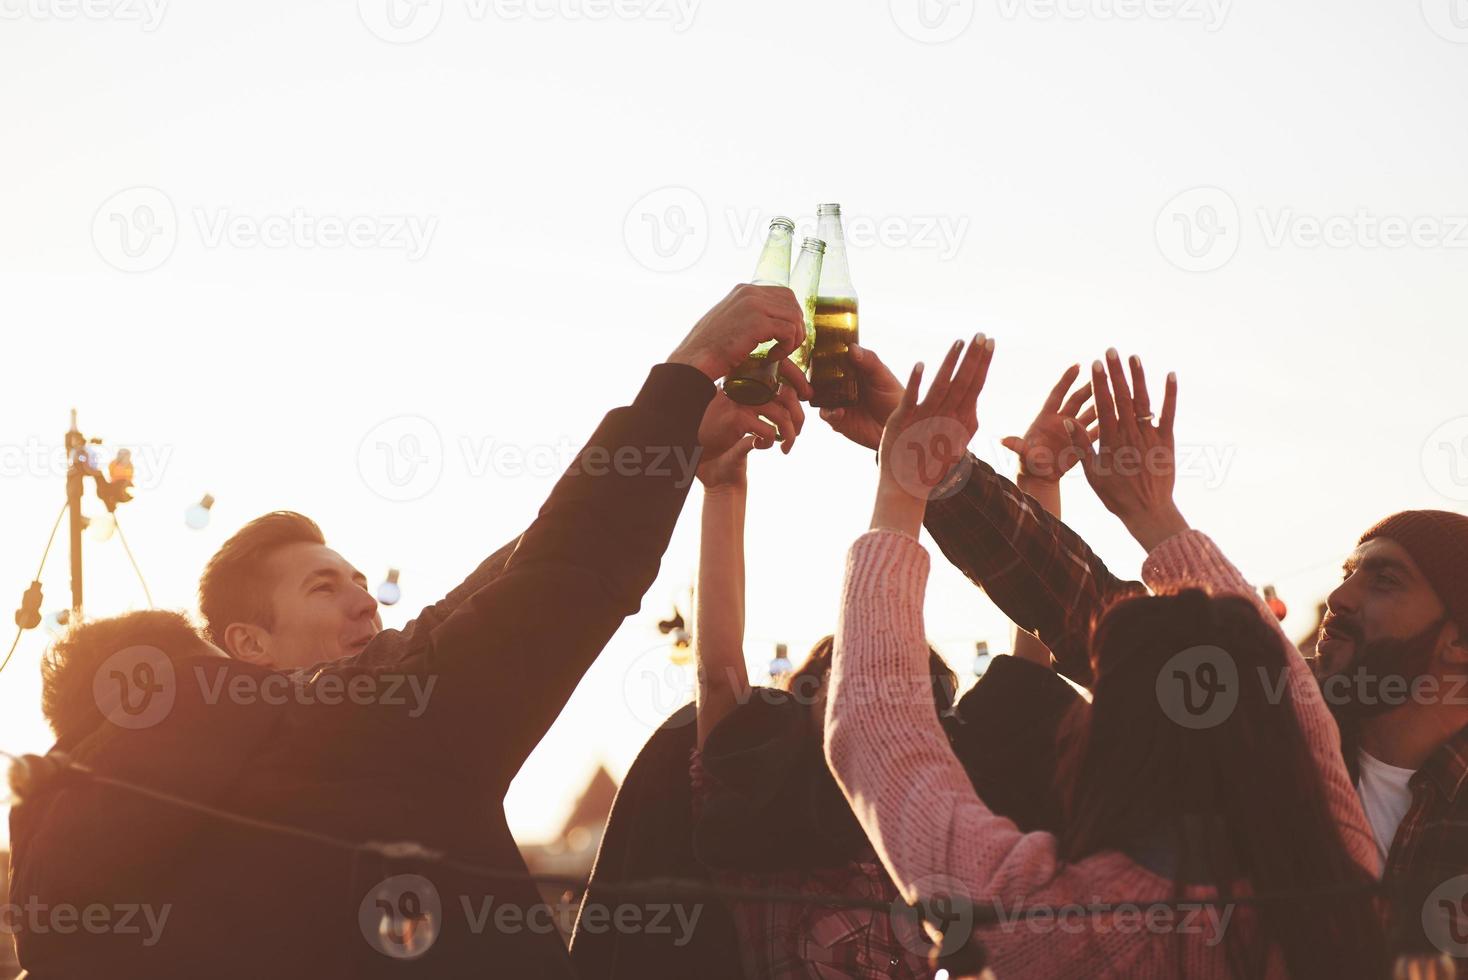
768,814
1205,772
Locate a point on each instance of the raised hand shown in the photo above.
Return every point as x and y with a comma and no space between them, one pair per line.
725,421
1044,451
746,318
1133,468
924,440
879,391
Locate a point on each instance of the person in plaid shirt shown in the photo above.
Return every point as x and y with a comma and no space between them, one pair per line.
1392,653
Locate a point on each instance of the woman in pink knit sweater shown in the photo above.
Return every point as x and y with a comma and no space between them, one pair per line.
1206,767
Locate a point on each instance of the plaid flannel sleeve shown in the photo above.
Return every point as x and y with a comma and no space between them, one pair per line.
1038,571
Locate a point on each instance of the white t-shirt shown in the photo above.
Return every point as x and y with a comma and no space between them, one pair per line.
1386,797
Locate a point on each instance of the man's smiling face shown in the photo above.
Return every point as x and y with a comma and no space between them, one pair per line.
322,609
1383,597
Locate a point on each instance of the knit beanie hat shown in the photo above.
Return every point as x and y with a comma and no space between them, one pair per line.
1437,540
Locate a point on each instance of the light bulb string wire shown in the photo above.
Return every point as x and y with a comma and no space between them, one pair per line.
147,593
40,570
982,912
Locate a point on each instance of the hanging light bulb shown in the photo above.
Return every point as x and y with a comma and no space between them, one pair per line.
781,666
57,620
389,592
1275,603
102,527
981,658
681,652
197,516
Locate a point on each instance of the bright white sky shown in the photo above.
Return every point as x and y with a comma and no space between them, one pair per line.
1024,176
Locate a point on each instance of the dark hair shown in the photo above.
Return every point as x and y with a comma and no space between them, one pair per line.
234,587
808,677
70,665
1238,800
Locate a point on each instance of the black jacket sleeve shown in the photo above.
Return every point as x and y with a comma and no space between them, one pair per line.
508,658
394,645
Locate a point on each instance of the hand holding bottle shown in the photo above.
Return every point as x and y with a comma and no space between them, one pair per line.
725,421
742,320
878,392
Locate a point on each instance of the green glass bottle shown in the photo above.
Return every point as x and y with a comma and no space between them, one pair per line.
805,281
754,382
832,375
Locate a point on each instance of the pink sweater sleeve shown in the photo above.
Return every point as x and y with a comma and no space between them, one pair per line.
1192,559
889,754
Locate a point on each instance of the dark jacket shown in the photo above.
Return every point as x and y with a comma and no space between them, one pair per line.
503,660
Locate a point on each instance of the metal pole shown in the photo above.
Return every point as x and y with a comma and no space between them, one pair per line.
76,447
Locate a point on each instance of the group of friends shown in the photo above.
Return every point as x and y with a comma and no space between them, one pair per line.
1156,784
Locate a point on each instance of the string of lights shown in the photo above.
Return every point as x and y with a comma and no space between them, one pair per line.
147,593
32,774
30,604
